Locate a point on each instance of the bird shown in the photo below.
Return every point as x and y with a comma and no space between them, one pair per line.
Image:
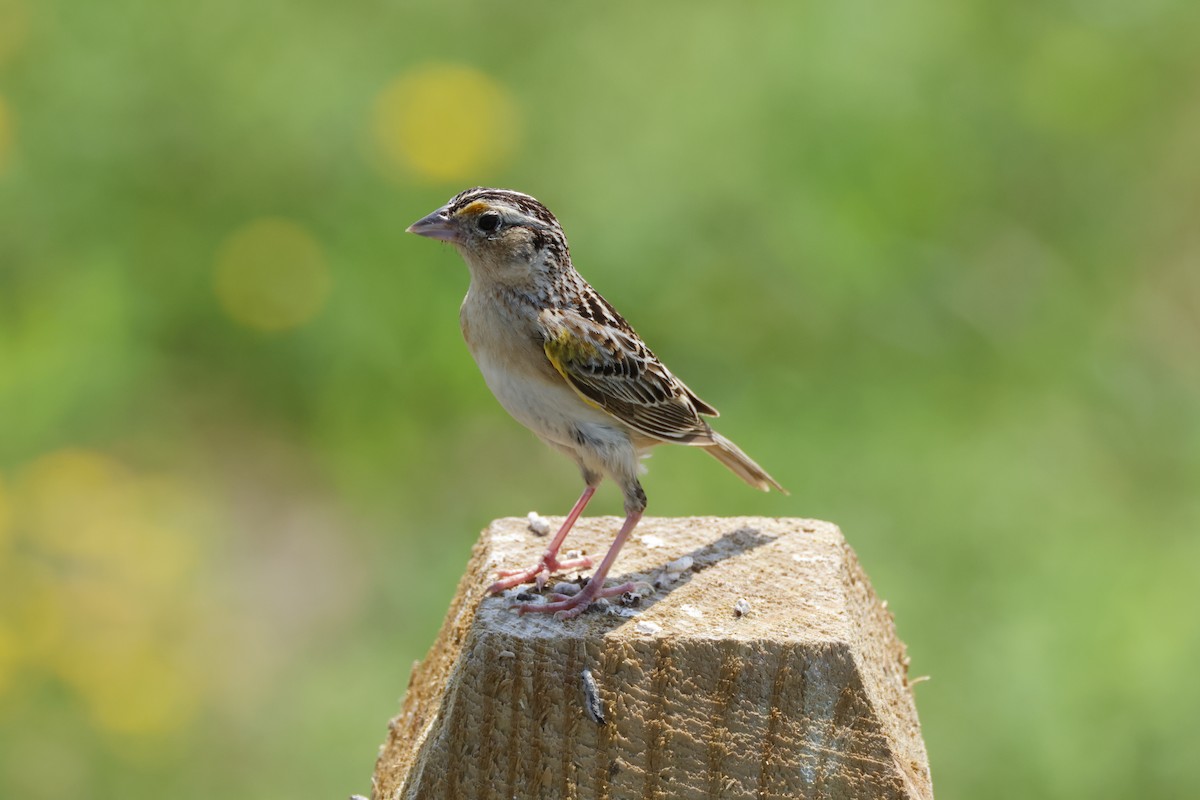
561,360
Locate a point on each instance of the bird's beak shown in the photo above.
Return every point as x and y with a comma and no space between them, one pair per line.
435,226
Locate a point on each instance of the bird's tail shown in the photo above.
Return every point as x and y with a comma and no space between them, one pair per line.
741,464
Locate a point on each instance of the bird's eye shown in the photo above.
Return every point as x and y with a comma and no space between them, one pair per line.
489,222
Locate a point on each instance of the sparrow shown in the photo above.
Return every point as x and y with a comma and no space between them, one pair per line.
562,361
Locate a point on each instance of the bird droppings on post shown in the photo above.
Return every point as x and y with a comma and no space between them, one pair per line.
741,608
647,627
538,524
592,703
673,571
691,611
680,565
565,588
651,541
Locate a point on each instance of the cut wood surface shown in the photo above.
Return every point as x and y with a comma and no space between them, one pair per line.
768,669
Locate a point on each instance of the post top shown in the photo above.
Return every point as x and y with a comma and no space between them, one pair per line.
749,578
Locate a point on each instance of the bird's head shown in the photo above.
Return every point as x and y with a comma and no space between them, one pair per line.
503,235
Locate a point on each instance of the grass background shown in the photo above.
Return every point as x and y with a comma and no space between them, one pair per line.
938,264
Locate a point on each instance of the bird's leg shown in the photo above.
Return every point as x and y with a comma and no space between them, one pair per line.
566,607
549,562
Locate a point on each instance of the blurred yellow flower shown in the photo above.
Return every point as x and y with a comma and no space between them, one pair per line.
80,504
93,595
271,275
445,122
32,612
14,27
131,684
68,496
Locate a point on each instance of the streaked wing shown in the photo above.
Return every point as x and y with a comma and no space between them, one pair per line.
612,368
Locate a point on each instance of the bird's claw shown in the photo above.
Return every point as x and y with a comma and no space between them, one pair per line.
570,606
538,574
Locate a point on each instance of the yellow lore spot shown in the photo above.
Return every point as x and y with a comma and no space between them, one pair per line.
445,123
271,275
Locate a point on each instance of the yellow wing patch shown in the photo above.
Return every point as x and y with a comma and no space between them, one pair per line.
563,348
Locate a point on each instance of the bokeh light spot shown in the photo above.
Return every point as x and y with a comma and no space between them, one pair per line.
445,122
271,275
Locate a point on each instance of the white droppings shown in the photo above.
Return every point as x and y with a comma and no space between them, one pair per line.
506,654
651,541
647,627
692,611
538,524
565,587
680,565
741,608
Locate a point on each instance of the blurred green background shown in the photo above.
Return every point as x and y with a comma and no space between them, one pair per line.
937,263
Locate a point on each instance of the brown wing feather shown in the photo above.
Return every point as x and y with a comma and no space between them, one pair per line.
611,367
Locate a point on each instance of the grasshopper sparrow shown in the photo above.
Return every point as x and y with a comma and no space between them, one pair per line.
566,365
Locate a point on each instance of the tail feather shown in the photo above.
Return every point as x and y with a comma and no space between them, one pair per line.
741,464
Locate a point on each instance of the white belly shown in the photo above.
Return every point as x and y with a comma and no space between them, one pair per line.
515,368
551,410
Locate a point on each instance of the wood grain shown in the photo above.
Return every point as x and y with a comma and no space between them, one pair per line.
806,695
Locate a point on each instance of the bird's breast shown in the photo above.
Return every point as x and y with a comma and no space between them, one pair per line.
505,345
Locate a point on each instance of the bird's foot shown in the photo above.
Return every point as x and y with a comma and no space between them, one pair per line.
539,573
564,606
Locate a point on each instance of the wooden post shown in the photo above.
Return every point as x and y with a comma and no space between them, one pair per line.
767,669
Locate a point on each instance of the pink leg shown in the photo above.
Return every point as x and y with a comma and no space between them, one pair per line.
574,605
549,563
